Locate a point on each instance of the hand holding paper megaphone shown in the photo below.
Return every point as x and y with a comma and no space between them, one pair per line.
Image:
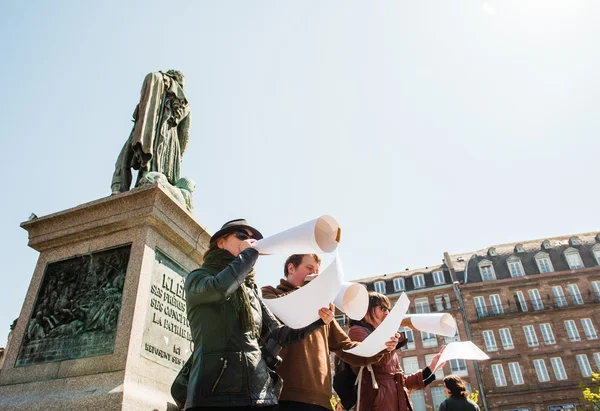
321,235
442,324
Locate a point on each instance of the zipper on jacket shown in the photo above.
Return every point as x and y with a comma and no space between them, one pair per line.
214,387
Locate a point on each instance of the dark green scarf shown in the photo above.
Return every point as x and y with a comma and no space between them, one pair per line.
214,263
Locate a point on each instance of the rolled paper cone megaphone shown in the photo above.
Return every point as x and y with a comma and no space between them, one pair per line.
353,300
321,235
442,324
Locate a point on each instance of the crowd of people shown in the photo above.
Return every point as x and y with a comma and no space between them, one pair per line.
245,358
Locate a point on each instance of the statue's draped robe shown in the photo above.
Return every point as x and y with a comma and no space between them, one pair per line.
160,133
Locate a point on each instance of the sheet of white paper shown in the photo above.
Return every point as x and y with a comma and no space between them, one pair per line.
375,342
317,236
301,307
464,350
435,323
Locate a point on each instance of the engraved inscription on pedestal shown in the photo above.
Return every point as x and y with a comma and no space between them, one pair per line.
77,308
167,338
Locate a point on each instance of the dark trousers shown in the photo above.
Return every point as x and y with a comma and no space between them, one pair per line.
299,406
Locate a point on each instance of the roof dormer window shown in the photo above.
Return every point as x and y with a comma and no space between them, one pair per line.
573,241
573,258
399,284
543,262
487,270
492,252
519,248
515,267
596,252
418,281
546,245
379,287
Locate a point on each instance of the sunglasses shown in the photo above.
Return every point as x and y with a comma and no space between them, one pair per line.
241,235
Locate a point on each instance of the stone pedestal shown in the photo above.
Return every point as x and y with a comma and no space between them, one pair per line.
103,325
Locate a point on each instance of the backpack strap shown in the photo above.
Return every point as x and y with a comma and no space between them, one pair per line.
359,382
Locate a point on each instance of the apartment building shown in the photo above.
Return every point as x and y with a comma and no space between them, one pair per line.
532,306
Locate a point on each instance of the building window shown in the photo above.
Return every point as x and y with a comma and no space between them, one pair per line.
547,334
559,296
574,241
418,281
506,339
559,368
515,267
341,320
544,263
418,400
520,301
597,360
541,370
596,252
530,336
596,287
438,277
428,339
588,329
536,299
499,377
492,252
487,271
410,365
575,294
519,248
442,302
584,365
439,374
573,258
490,341
438,396
458,367
410,345
515,373
456,337
572,330
379,287
496,304
422,305
399,284
480,307
546,245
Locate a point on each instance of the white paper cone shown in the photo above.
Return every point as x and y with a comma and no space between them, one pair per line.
353,300
441,324
301,308
375,342
321,235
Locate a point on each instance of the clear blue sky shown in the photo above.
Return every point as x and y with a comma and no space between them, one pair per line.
421,126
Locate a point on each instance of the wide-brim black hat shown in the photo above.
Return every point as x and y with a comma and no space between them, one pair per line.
233,226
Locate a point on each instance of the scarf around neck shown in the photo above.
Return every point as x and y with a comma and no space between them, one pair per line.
215,262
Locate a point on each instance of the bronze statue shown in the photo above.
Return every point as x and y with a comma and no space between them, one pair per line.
160,132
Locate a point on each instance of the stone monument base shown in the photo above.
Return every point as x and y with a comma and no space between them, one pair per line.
103,325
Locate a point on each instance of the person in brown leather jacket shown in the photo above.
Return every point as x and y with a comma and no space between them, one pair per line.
386,387
306,367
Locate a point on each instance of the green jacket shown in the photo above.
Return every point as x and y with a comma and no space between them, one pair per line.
228,367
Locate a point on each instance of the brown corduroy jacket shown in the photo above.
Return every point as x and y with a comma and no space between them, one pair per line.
306,368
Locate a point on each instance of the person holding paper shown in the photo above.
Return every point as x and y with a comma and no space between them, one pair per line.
458,397
231,327
386,387
306,369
